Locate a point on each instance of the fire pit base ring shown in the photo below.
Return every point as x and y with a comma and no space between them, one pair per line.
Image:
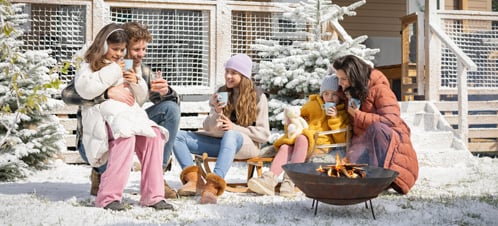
341,202
315,204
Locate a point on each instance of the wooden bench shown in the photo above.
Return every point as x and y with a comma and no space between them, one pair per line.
254,164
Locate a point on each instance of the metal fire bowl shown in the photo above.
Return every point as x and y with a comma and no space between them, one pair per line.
339,190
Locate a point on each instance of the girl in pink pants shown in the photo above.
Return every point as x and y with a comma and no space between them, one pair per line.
113,130
150,153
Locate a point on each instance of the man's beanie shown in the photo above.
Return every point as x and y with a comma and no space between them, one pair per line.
329,82
241,63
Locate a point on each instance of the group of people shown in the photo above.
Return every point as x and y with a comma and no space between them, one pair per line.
112,124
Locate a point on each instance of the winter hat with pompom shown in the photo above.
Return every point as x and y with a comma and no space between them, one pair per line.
241,63
329,82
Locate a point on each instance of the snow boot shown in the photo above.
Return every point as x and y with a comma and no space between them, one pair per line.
115,205
287,187
264,185
215,186
162,205
191,180
169,192
95,182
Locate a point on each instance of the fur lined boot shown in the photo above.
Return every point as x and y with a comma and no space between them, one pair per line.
169,192
264,185
191,180
215,186
287,187
95,180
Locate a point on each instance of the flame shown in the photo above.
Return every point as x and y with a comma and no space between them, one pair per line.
338,162
341,167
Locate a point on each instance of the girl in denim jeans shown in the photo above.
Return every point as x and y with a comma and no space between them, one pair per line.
231,130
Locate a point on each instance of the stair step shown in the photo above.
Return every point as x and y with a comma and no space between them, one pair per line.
443,157
432,139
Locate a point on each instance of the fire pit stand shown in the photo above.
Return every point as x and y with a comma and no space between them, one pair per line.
315,205
339,190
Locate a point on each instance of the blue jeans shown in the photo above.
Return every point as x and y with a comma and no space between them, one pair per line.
224,148
81,150
166,114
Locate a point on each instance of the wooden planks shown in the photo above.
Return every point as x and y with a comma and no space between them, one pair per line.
483,123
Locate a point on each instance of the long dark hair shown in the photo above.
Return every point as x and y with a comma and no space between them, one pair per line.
358,73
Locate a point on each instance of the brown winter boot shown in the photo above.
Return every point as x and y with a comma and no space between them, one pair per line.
215,186
191,180
95,179
169,192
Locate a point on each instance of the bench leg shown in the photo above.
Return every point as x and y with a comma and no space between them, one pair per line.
250,171
259,169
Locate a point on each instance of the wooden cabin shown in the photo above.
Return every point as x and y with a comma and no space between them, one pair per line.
426,48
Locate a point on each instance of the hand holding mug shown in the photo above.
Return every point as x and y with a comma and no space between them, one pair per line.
158,84
329,108
222,98
128,64
355,103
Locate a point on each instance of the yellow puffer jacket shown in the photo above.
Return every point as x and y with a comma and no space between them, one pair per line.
313,113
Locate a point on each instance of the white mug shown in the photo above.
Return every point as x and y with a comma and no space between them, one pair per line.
327,105
222,97
128,64
355,101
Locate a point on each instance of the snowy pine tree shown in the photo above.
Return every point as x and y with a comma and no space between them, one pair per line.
291,72
29,135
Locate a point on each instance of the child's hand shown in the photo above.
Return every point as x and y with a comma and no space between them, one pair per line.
218,106
130,76
121,64
225,123
331,111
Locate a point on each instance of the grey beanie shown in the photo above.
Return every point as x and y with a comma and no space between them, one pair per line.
329,82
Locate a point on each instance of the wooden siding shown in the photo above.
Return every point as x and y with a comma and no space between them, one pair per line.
474,5
375,18
381,18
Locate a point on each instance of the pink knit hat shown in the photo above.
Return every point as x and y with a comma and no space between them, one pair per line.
242,63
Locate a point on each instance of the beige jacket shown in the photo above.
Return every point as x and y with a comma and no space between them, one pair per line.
254,135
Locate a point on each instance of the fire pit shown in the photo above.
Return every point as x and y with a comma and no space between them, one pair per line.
339,190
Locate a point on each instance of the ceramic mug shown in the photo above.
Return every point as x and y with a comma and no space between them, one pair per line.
327,105
355,101
128,64
222,97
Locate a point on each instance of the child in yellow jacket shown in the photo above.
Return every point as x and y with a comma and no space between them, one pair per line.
297,150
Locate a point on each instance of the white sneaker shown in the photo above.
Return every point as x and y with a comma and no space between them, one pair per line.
264,185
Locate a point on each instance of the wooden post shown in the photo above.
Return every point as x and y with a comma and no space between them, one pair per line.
223,33
421,76
463,104
433,58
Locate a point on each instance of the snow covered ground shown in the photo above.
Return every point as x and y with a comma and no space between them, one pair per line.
461,193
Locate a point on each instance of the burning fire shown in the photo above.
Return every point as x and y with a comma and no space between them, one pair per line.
343,169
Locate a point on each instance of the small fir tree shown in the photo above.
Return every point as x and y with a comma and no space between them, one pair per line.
29,134
291,72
